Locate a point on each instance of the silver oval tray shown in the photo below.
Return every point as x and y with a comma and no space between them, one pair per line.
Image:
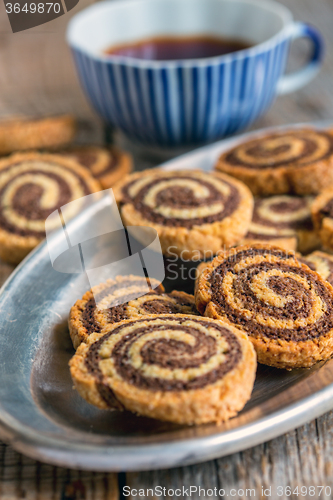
42,416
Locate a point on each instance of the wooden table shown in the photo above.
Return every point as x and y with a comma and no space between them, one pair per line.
37,77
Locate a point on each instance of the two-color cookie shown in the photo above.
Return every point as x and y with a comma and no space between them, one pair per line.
20,134
193,212
108,165
179,368
32,186
322,216
125,297
284,221
284,306
298,161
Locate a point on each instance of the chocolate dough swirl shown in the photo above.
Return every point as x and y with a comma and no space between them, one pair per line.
327,210
112,297
100,161
121,299
267,292
168,353
182,200
153,302
33,186
280,216
296,148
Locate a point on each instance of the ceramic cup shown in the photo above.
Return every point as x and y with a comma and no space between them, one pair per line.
178,103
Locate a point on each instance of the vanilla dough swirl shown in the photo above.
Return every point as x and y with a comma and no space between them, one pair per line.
153,363
32,186
296,160
285,308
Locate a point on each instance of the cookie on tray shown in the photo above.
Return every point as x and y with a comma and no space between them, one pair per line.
108,165
321,262
27,133
284,221
180,368
32,186
200,268
322,216
298,161
284,306
194,212
116,300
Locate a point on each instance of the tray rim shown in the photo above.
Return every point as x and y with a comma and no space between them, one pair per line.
186,451
172,454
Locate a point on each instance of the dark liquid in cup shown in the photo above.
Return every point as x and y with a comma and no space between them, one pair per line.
173,48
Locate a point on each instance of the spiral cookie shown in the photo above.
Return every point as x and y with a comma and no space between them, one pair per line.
293,161
284,306
284,221
108,165
179,368
116,300
192,211
32,186
21,134
320,262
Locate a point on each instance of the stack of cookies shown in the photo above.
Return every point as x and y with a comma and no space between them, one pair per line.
43,173
154,355
192,359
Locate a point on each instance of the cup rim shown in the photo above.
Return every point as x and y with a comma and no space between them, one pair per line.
284,13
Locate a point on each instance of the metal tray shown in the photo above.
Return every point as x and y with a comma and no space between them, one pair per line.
43,417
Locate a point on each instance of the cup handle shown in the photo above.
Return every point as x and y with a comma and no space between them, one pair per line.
294,81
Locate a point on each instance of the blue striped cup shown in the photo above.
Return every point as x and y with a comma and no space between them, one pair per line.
176,103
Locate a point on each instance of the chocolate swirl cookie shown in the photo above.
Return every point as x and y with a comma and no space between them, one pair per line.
192,211
284,221
179,368
322,216
19,134
293,161
284,306
320,262
116,300
32,186
108,165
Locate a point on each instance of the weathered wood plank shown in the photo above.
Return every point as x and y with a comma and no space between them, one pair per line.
302,457
177,482
22,477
